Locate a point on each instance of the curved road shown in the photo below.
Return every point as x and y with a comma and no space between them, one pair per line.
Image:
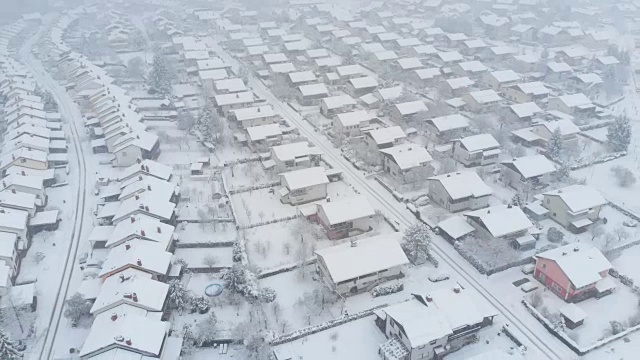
71,113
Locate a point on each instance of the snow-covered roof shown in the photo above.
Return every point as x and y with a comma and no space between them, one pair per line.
252,113
145,334
608,60
574,51
313,89
275,58
150,294
363,82
412,41
373,48
149,167
390,93
411,107
473,66
7,244
521,28
450,56
258,50
139,254
373,254
589,78
408,156
579,198
463,184
428,73
479,142
459,83
24,181
502,220
581,263
302,76
503,50
504,76
338,101
353,208
146,203
425,50
230,85
331,61
354,117
387,135
533,88
304,178
450,122
526,109
559,67
575,100
22,153
142,139
350,70
235,98
573,312
456,36
410,63
161,189
140,227
422,324
456,227
261,132
566,127
282,68
484,96
17,199
288,152
317,53
532,165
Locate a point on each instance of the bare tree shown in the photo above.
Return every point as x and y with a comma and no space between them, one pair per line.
210,260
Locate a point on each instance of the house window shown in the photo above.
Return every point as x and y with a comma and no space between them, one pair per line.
548,201
555,287
433,342
124,153
542,277
544,266
554,214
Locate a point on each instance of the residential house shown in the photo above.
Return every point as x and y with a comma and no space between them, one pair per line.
456,86
589,83
524,32
407,111
333,105
407,162
357,87
312,94
572,55
524,112
472,69
303,185
476,150
383,138
459,191
228,102
299,78
144,256
577,105
482,101
30,184
426,77
425,326
351,124
540,133
527,63
145,204
574,272
16,222
532,170
355,267
131,287
254,116
138,227
260,138
344,218
9,254
556,72
146,168
294,155
25,157
448,127
526,92
136,145
498,80
503,222
575,207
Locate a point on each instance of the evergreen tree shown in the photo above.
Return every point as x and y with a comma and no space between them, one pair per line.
206,124
177,294
8,350
417,243
76,308
619,134
159,79
555,146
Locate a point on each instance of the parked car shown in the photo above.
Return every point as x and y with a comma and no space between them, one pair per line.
439,276
528,269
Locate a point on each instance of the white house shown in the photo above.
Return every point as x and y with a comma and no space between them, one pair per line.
407,111
482,101
407,162
526,92
502,222
139,227
254,116
385,137
498,80
458,191
336,104
300,154
359,86
355,267
131,287
136,145
447,127
303,185
262,137
228,102
476,150
141,255
29,184
540,133
344,218
15,222
350,124
312,94
577,105
146,167
533,170
456,86
575,207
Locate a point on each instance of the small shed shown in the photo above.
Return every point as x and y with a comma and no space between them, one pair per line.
454,228
196,168
44,220
536,211
573,315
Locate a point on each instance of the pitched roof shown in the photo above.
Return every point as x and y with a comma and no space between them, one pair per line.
373,254
532,166
463,184
580,262
387,135
502,220
303,178
579,197
139,254
408,156
479,142
344,210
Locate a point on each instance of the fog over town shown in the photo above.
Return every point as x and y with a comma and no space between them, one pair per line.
319,180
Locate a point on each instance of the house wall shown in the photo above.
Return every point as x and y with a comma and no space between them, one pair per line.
307,194
516,95
257,121
23,234
438,194
29,163
420,352
511,178
463,156
559,211
551,275
39,193
357,285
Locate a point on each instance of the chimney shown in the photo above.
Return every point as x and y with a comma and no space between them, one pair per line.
141,206
134,297
146,168
564,253
13,191
149,187
576,249
258,109
127,246
456,290
140,177
126,295
159,230
4,184
354,243
114,316
137,197
429,298
128,342
119,338
122,279
142,233
146,208
133,219
23,173
139,262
